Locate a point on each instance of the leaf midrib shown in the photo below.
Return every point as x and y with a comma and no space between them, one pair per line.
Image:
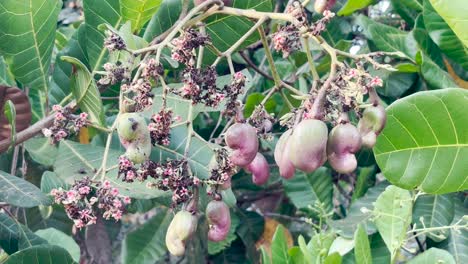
421,147
36,47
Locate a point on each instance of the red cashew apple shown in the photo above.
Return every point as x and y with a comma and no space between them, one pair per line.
219,219
286,168
344,140
371,124
259,169
242,139
308,145
182,226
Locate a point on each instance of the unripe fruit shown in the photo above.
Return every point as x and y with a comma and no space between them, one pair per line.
130,126
259,169
286,168
219,219
182,226
242,139
344,140
139,150
199,2
371,124
308,145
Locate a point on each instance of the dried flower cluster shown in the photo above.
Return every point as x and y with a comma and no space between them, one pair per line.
151,69
233,90
114,42
138,95
83,201
65,124
262,121
200,87
160,127
221,173
115,73
185,45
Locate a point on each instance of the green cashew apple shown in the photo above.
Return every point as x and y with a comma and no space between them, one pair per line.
308,145
286,168
181,228
130,126
242,139
259,169
344,140
371,124
139,150
219,220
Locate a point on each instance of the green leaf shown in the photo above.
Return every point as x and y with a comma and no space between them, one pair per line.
341,246
395,83
393,216
147,243
362,251
319,246
73,160
255,99
27,35
61,76
50,180
85,91
165,17
41,254
97,13
250,230
444,37
265,257
279,246
216,247
425,143
347,227
138,11
365,180
454,13
457,242
304,249
407,9
9,111
295,255
58,238
436,77
305,190
435,211
354,5
41,150
334,258
433,256
14,236
18,192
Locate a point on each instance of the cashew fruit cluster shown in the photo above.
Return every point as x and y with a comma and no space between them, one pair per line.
308,145
181,228
242,139
134,136
219,220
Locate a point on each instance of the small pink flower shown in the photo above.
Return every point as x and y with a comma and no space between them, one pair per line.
152,127
115,191
239,75
168,171
84,190
54,192
196,181
130,175
56,108
106,184
117,215
83,116
328,14
117,203
71,195
165,182
178,118
59,116
92,220
166,142
353,73
376,81
79,224
127,200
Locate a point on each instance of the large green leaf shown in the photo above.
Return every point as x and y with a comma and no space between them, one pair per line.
250,230
5,75
305,190
97,13
50,180
444,37
457,242
392,214
425,142
434,211
362,251
41,254
407,9
58,238
19,192
27,35
454,13
353,5
138,11
347,227
147,243
41,150
85,90
61,76
435,76
14,236
433,256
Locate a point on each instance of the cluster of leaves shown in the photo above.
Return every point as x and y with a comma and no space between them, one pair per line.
406,200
